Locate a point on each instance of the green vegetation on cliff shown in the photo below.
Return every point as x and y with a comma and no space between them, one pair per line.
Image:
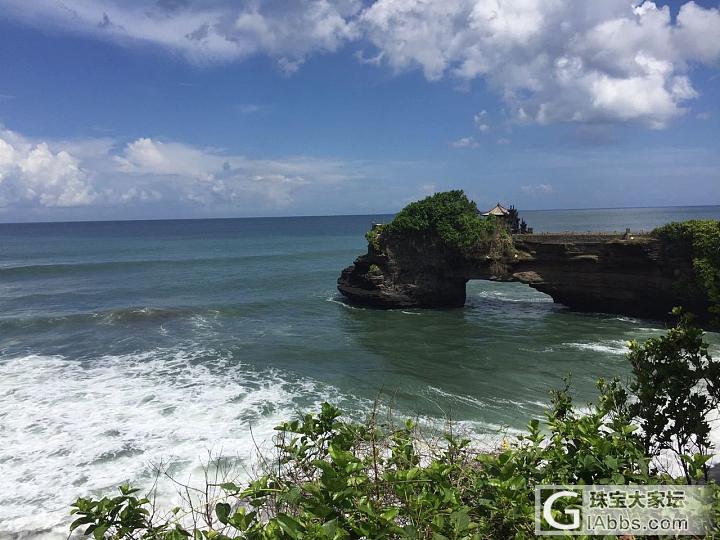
704,237
450,214
373,237
334,479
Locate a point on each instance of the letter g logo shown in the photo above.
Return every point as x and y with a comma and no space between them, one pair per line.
574,512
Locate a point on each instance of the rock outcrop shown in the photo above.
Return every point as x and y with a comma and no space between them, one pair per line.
640,275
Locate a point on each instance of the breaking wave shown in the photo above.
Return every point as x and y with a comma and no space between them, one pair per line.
72,428
615,346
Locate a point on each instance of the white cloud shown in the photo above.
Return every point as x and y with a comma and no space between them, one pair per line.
32,174
537,189
250,108
480,121
203,31
549,60
145,156
465,142
696,27
555,60
101,172
211,177
373,60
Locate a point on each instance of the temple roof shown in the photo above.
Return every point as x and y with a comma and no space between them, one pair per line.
498,210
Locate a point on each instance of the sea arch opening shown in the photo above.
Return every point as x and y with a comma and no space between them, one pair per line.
485,292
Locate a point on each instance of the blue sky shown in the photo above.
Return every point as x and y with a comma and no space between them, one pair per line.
174,108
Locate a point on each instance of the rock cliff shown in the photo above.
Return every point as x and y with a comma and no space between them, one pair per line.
641,275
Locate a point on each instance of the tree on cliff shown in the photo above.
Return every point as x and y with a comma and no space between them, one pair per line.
450,215
703,237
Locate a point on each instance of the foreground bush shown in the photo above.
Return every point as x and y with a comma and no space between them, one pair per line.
334,479
677,386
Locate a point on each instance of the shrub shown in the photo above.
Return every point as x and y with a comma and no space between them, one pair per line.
373,237
676,386
450,215
333,479
704,238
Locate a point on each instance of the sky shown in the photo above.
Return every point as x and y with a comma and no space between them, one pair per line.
130,109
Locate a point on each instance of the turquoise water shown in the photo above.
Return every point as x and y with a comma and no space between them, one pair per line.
127,344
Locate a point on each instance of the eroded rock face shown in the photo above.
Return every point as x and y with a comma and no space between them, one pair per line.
416,273
642,276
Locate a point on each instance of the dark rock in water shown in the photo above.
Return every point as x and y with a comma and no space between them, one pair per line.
630,275
418,273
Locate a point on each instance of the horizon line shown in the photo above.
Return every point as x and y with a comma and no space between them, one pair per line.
295,216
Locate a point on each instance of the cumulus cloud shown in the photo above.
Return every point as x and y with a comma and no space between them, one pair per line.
32,174
45,174
559,60
465,142
549,60
211,177
145,156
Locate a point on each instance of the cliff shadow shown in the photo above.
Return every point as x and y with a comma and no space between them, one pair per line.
493,361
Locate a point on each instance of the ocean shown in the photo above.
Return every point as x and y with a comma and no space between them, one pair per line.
125,345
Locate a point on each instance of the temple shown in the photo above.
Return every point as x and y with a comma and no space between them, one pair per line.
498,210
510,218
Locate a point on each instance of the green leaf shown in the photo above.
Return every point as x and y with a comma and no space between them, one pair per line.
231,487
391,514
222,510
80,521
99,531
329,528
291,527
611,462
460,520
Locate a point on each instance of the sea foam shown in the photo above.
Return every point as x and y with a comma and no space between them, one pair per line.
612,346
75,428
